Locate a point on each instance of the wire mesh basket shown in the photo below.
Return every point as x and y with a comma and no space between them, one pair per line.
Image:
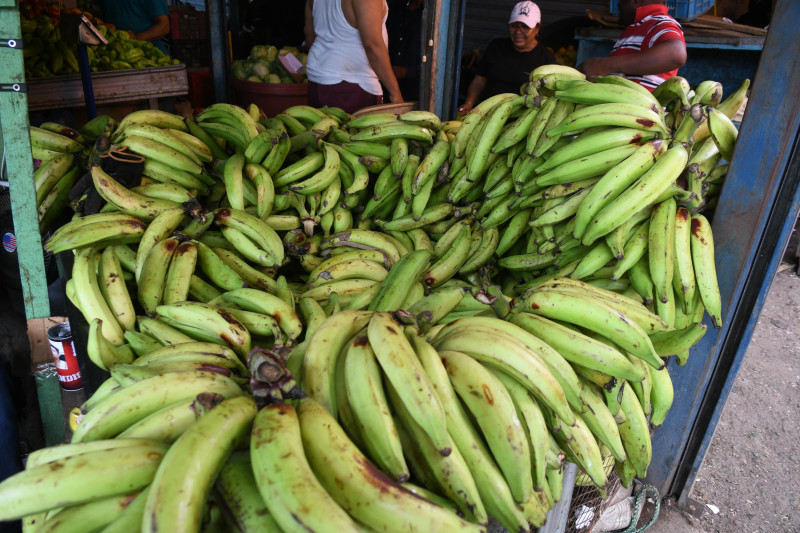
589,501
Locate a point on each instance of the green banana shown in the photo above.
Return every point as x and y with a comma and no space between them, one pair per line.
236,492
208,323
399,363
368,403
364,492
126,200
702,246
578,348
513,357
595,315
641,192
187,472
451,473
612,114
487,399
492,487
116,413
110,472
661,247
262,302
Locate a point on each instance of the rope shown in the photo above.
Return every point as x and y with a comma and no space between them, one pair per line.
637,510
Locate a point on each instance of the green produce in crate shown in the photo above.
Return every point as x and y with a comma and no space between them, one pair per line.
263,65
266,52
46,55
260,68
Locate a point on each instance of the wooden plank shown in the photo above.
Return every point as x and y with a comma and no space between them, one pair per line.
719,23
109,87
19,171
704,28
706,39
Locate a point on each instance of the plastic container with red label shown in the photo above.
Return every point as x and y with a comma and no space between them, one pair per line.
63,350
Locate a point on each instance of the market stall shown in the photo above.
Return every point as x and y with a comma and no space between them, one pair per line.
275,214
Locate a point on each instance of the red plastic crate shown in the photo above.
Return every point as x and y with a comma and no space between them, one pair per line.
192,53
187,24
201,90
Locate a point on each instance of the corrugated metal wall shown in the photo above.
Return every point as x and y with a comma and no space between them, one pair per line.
487,19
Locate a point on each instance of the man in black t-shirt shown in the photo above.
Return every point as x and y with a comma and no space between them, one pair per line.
507,63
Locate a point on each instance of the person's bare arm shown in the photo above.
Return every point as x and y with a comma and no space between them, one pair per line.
159,29
369,22
474,91
308,27
663,57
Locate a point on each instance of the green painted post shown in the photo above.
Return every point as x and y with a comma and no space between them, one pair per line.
19,165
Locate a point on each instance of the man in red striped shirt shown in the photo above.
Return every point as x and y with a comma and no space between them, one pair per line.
649,51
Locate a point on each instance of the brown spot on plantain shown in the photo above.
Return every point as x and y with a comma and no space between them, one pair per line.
361,341
135,224
696,230
487,393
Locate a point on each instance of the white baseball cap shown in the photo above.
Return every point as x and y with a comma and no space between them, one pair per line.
526,12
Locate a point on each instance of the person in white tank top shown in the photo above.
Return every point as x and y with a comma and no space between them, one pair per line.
348,59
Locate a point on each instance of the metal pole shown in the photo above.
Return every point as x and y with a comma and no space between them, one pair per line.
217,37
19,165
86,81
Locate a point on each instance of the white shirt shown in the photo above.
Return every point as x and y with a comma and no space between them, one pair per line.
338,53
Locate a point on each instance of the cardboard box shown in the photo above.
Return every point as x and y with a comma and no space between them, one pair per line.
37,336
48,389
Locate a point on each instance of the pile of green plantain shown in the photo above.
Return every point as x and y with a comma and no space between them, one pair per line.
317,322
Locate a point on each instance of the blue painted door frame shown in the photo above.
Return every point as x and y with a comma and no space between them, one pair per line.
752,225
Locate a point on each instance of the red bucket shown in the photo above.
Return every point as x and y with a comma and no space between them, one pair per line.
271,98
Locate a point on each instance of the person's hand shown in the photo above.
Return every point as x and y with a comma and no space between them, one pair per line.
396,98
596,66
464,108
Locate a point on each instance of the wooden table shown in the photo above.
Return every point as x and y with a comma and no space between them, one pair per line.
109,87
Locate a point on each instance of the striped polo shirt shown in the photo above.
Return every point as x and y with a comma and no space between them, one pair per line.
652,25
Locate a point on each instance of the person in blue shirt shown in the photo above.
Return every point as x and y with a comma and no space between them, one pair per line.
147,20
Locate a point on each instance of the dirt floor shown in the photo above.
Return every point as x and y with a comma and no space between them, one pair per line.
749,474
